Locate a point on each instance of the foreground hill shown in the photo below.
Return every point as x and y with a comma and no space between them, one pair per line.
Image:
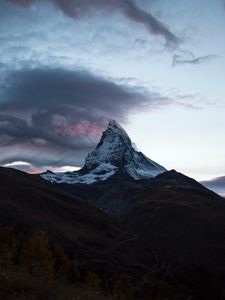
181,220
29,203
171,215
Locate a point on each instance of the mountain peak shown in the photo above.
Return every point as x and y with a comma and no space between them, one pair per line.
115,124
114,135
114,153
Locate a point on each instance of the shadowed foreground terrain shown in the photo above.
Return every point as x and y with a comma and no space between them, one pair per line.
164,239
33,268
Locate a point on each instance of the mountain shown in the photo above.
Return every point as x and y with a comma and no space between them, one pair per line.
114,153
125,218
217,185
168,213
133,216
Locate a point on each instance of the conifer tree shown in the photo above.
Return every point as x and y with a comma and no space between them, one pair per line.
36,256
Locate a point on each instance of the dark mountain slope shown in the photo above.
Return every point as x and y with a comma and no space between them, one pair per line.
170,215
28,203
121,192
180,220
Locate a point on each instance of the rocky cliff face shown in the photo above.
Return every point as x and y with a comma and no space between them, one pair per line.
113,153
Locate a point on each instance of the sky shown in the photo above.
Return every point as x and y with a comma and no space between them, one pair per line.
155,66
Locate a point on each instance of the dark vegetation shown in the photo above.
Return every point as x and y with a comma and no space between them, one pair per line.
32,268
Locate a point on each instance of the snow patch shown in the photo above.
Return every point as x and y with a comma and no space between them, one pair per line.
101,173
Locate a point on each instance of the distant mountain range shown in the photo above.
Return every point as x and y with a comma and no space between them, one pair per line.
216,184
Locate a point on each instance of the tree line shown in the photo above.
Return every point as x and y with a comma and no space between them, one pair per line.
32,268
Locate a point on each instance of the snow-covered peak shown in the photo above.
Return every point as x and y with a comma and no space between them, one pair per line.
115,126
113,153
114,134
111,148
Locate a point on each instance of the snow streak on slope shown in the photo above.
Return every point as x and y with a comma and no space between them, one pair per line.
113,153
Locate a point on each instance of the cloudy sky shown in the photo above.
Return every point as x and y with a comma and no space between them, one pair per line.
156,66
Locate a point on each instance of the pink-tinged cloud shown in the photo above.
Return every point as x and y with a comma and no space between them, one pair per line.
61,125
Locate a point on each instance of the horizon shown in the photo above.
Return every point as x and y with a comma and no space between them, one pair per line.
156,67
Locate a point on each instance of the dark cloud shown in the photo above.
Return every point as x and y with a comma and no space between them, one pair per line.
55,116
192,59
13,129
58,89
79,8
